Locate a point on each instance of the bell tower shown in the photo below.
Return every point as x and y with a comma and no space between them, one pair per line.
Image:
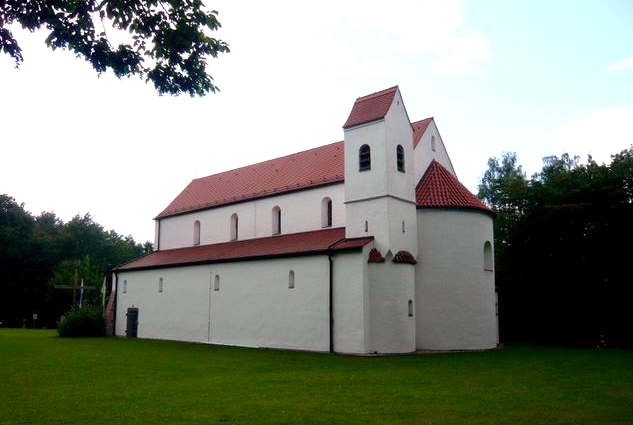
379,172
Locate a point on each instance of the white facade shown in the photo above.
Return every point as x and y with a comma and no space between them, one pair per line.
300,212
367,298
455,292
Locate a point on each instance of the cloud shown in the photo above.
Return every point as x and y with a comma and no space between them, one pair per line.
621,65
601,134
431,27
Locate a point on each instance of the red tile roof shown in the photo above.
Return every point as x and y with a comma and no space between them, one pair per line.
419,128
315,242
439,188
404,257
375,256
371,107
311,168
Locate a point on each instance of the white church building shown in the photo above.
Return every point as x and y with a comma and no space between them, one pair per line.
369,245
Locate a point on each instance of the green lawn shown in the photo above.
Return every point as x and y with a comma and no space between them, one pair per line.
45,379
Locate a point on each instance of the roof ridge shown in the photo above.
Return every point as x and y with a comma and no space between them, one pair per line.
376,94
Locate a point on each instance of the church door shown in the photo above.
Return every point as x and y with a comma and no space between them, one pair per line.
132,322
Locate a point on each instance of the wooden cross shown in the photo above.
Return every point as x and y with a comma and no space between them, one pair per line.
74,287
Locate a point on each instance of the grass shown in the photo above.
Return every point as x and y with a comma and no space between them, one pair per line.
45,379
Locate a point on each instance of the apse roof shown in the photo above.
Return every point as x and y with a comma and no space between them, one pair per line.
438,187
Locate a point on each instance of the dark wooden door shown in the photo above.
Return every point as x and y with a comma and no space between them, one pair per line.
132,322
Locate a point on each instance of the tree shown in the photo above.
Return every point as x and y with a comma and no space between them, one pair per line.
167,41
563,273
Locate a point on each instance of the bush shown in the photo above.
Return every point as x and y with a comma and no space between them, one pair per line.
82,322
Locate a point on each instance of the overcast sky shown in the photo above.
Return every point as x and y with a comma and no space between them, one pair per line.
535,77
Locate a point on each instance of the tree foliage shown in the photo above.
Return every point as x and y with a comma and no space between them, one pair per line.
167,42
562,241
37,252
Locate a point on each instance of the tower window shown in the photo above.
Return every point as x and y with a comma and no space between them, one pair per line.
400,158
433,143
125,286
216,283
196,232
276,220
402,226
366,226
234,227
160,284
291,279
364,158
488,256
326,212
410,308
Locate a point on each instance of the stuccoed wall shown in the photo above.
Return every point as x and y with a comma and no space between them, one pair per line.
254,306
350,302
423,154
391,286
455,296
300,212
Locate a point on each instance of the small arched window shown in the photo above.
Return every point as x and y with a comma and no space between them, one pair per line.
196,232
276,220
291,279
125,286
234,227
488,260
160,284
216,283
326,212
400,158
433,143
364,158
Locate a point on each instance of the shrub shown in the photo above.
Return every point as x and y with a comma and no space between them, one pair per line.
82,322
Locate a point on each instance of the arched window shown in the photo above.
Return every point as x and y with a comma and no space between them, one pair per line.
160,284
410,308
366,226
276,220
125,286
291,279
326,212
488,260
364,158
234,227
433,143
400,158
216,283
196,232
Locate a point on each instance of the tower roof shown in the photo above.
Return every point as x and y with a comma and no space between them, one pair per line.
370,108
439,188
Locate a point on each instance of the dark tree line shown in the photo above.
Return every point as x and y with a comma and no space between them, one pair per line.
37,252
563,244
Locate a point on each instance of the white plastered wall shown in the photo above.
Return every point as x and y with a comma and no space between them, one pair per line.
423,154
254,306
455,296
350,302
300,211
391,286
